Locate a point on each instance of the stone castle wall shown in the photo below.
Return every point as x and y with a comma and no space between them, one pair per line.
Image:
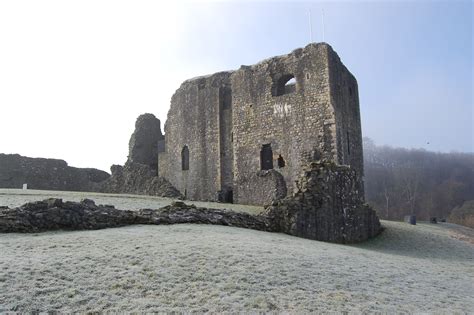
345,100
143,144
292,123
139,174
197,120
230,121
285,133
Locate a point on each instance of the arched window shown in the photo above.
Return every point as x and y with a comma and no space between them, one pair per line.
185,158
284,85
266,157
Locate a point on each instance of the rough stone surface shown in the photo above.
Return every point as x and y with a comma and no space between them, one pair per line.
139,174
140,179
143,144
267,186
48,174
54,214
225,121
326,206
200,119
245,136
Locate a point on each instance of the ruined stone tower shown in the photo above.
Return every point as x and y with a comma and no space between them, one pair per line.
245,135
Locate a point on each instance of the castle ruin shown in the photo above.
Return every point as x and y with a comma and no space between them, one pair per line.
284,133
244,136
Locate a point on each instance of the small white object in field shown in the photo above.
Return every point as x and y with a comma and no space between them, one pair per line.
25,186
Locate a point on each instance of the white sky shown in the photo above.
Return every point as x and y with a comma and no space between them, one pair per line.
75,75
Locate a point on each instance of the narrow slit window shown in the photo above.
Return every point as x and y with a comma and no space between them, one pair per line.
348,144
185,158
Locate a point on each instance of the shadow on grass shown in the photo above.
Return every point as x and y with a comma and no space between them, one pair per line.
418,241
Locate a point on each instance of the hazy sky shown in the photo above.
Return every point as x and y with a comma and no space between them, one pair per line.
74,75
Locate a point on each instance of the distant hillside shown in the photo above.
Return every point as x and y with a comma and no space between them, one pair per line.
50,174
464,214
401,181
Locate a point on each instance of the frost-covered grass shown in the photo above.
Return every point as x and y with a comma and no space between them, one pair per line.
421,268
17,197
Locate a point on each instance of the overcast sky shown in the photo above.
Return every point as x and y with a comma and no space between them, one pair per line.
74,75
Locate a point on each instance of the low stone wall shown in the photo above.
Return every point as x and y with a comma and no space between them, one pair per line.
47,174
326,206
54,214
137,176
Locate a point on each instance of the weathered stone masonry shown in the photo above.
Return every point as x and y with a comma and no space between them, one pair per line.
232,125
200,123
284,133
139,174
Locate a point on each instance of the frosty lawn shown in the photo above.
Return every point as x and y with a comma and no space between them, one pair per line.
17,197
422,268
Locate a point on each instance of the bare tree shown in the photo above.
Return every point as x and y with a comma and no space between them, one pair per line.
399,181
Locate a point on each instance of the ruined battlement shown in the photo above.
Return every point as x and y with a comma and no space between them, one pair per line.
224,129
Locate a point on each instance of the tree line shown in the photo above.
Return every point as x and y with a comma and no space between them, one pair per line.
401,181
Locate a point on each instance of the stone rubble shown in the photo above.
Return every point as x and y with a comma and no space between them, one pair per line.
136,178
326,207
139,174
54,214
